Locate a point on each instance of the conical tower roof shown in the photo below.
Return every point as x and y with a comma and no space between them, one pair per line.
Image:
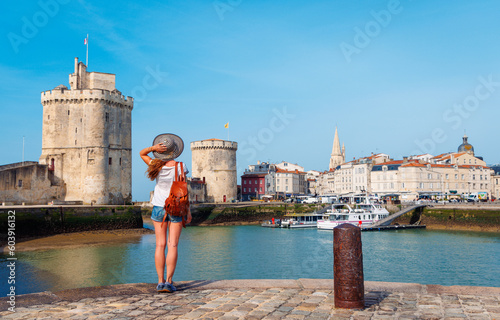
336,151
337,157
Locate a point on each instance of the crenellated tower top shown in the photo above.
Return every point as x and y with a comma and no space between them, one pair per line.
214,144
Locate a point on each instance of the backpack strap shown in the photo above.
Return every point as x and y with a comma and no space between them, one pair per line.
176,173
182,175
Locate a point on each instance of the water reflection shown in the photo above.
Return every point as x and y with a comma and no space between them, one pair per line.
252,252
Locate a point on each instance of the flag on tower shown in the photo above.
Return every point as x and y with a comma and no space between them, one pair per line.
226,125
86,42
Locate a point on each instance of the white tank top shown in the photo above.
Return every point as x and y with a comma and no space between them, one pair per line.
164,183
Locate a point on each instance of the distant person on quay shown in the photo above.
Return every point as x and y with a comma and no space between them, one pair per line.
166,148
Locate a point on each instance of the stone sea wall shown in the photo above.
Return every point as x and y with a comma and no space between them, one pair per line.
31,221
448,218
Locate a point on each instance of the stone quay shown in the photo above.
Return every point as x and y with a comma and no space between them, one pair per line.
257,299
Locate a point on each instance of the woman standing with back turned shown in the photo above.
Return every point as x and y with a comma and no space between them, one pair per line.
166,147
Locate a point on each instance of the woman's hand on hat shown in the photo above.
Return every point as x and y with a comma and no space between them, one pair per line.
160,147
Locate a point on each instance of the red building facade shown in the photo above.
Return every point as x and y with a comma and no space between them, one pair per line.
253,186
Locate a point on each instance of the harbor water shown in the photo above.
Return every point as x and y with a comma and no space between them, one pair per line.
252,252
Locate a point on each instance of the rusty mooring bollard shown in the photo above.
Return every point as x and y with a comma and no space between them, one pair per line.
348,280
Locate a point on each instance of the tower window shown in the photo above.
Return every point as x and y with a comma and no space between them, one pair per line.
20,183
75,142
48,117
76,130
68,112
110,161
107,116
120,161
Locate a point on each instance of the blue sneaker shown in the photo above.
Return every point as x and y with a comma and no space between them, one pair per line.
169,287
161,288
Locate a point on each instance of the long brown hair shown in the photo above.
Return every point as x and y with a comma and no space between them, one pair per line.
154,168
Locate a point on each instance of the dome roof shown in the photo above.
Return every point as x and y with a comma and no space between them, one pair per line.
465,146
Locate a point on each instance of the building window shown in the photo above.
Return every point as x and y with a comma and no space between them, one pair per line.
20,183
456,176
255,189
107,116
110,161
260,189
68,112
120,161
48,117
244,189
446,176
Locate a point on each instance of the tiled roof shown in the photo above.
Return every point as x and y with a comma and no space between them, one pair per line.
278,170
413,164
254,175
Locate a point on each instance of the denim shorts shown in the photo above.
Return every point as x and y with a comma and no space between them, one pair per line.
159,212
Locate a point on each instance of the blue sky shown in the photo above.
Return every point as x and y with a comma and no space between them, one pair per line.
398,77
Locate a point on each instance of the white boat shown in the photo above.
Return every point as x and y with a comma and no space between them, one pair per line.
300,220
364,214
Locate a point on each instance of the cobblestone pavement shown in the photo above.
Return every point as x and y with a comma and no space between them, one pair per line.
257,299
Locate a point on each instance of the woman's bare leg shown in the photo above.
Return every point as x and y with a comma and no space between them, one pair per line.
174,232
161,240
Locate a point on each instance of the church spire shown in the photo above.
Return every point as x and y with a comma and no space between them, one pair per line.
336,144
338,155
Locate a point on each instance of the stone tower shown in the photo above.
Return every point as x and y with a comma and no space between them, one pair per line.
338,155
214,161
86,138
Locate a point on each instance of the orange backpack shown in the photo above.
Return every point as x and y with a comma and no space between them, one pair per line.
177,203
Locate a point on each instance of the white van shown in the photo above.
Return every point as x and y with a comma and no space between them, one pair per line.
311,200
329,200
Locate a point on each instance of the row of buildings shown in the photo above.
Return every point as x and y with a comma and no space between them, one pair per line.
448,175
87,158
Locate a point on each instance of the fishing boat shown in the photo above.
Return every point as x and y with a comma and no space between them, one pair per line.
363,214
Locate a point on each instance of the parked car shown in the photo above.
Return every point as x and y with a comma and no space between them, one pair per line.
311,200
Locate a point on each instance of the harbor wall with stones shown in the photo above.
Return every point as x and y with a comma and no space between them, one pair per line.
36,221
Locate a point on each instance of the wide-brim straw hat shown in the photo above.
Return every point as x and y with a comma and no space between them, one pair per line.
174,145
